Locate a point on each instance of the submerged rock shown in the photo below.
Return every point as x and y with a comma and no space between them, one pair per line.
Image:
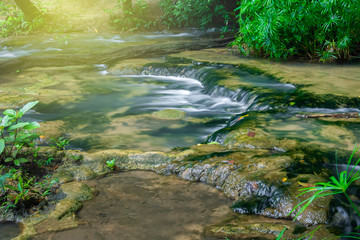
169,114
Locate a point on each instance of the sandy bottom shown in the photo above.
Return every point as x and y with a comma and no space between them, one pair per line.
145,205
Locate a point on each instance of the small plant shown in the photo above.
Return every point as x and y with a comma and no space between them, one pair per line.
59,143
21,192
111,164
47,186
337,185
15,134
76,157
43,162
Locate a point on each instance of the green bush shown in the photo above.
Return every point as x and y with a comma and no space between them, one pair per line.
15,134
323,29
22,181
194,13
130,18
14,22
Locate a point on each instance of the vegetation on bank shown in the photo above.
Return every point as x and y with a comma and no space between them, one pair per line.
322,29
14,22
25,175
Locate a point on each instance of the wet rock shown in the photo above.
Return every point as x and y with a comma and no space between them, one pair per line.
84,166
255,179
77,191
62,217
253,226
64,176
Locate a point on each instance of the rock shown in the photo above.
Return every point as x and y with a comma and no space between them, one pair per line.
253,226
77,191
254,179
65,207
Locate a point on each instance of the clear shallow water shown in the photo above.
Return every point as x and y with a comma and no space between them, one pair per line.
102,106
114,103
9,230
145,205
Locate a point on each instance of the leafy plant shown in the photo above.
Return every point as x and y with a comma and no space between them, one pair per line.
19,188
337,185
324,29
111,164
59,143
194,13
14,133
22,191
42,162
130,18
47,185
14,22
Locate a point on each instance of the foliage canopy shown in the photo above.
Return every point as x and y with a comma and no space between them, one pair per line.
193,13
325,29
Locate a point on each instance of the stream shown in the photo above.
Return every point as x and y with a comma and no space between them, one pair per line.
108,91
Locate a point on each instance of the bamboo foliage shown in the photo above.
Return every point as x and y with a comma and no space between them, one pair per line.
319,29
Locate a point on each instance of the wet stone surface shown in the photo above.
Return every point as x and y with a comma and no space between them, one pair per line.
145,205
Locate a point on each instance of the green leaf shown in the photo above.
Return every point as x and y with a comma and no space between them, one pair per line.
16,162
10,112
9,159
5,121
19,125
11,187
26,108
2,145
20,183
22,160
32,125
281,234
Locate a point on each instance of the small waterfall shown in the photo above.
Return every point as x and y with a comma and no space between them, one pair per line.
208,77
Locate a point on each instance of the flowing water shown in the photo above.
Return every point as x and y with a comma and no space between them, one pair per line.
115,105
128,92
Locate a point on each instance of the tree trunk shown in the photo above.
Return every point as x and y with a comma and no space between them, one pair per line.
28,8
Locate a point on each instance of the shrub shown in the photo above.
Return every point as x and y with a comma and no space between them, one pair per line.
14,133
324,29
194,13
126,18
14,22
